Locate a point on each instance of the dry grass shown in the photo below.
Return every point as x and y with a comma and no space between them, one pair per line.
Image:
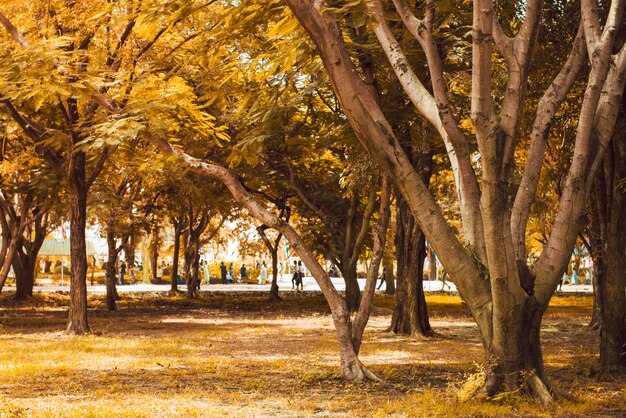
236,355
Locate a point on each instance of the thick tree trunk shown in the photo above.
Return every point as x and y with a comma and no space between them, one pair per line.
174,278
25,269
508,372
351,367
111,271
613,329
24,276
77,197
410,316
130,248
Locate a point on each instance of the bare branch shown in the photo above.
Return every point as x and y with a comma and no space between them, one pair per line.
15,34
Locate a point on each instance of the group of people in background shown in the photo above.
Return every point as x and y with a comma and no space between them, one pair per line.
131,270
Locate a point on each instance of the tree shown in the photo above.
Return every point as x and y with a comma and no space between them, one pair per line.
69,113
507,299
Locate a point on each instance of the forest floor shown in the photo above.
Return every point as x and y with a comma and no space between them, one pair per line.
231,354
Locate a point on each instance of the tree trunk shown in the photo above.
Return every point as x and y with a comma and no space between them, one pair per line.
111,272
24,268
154,252
77,197
25,279
597,207
191,255
130,248
274,295
353,291
390,277
613,329
410,316
10,255
174,278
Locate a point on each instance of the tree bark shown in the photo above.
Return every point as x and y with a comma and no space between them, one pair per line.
154,252
110,269
613,329
174,278
25,264
274,295
410,316
77,197
24,276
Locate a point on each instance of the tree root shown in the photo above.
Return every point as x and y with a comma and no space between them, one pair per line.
540,391
357,372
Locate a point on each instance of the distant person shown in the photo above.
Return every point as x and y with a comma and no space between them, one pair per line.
230,278
244,273
383,278
205,272
299,276
263,275
223,272
575,279
564,278
122,272
294,278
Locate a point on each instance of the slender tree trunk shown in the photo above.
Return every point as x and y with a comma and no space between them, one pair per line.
77,197
111,272
174,278
10,255
596,250
191,254
274,295
432,262
390,277
154,252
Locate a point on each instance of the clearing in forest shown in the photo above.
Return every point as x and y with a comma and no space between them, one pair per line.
242,355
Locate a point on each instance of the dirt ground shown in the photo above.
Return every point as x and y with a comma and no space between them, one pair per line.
242,355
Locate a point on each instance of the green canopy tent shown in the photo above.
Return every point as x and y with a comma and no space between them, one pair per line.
61,248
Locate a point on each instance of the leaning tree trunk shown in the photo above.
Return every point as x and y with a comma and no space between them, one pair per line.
410,316
174,278
77,197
